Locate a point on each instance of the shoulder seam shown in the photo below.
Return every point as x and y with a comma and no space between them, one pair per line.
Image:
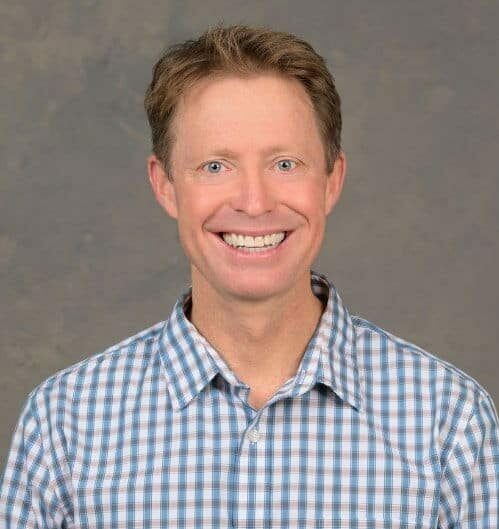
466,377
53,481
115,349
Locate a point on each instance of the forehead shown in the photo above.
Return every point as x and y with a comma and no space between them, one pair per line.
232,108
226,83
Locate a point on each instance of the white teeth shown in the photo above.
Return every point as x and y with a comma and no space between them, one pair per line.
247,241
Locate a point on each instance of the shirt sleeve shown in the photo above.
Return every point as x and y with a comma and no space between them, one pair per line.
28,496
469,490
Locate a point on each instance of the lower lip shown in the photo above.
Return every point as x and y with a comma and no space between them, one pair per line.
254,256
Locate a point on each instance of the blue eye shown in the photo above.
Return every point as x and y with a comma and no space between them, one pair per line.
287,163
215,165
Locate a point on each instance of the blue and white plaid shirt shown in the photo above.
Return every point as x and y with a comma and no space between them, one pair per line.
156,432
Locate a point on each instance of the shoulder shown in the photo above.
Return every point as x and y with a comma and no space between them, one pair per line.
393,350
78,381
404,380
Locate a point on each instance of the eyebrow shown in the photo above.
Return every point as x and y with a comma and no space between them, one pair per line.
231,154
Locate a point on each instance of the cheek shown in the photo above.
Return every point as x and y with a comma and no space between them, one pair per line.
307,198
195,208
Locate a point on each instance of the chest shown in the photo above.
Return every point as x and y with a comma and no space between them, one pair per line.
305,462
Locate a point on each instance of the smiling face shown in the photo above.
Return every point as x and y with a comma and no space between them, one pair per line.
248,158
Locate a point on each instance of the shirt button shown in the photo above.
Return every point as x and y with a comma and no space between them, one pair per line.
253,435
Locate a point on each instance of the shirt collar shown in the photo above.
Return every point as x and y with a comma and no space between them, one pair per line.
331,358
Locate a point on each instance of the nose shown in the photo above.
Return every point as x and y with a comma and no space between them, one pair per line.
254,194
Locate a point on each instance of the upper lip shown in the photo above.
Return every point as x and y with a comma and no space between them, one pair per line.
255,233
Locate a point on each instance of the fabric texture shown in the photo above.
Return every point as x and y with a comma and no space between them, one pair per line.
156,432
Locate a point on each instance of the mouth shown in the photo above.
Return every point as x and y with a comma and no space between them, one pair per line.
250,254
220,235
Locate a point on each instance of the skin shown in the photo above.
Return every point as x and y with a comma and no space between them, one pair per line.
258,314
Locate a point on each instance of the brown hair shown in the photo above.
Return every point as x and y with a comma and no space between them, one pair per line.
240,50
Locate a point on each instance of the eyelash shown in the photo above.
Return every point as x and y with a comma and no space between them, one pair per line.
282,160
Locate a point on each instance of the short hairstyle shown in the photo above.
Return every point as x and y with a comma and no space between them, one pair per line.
243,51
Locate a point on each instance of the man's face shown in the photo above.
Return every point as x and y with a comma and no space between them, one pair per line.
248,157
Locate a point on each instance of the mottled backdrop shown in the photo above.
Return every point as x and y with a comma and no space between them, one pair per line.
88,258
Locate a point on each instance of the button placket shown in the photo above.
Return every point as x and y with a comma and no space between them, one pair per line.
253,435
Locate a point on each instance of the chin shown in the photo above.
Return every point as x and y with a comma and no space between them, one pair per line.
256,286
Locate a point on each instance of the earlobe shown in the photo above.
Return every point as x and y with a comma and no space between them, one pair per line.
162,186
334,183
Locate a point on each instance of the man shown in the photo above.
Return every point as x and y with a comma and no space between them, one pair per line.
261,401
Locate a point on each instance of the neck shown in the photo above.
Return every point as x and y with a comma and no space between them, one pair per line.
262,341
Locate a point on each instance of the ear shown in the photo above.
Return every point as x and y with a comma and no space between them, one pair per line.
162,187
334,182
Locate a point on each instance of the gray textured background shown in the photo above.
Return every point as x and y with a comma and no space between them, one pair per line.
88,258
